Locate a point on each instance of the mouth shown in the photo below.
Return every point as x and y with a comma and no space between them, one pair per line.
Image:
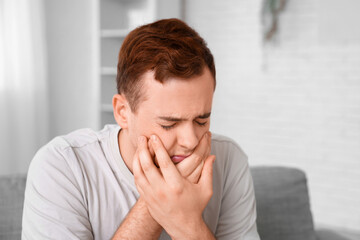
178,158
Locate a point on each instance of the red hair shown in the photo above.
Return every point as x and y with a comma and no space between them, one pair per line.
169,48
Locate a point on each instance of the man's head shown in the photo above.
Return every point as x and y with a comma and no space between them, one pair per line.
165,81
169,48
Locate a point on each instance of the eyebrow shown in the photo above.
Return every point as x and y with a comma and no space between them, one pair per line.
175,119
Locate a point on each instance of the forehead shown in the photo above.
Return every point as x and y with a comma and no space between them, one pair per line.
178,97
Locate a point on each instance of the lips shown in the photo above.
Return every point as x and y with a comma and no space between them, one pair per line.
178,158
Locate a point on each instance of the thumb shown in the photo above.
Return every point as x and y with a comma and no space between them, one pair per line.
206,178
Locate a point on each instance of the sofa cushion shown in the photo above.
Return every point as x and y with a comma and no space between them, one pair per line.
12,190
283,209
326,234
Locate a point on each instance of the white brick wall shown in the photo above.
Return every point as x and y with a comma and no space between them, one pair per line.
295,102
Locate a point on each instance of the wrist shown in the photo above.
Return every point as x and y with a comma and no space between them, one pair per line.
146,214
195,230
138,224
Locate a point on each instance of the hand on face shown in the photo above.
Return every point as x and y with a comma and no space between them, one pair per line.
175,195
191,166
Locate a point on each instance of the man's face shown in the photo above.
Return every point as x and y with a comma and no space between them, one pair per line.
177,111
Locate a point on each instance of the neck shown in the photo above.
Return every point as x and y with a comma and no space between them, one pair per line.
126,149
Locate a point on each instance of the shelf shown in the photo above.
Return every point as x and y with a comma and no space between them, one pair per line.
107,108
114,33
112,71
117,18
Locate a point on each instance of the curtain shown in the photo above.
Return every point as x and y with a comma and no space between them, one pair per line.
23,84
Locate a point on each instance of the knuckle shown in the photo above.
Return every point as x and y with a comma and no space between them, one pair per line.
165,164
142,154
137,179
177,189
136,169
145,165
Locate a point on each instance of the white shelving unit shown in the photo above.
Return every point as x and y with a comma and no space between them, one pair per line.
117,19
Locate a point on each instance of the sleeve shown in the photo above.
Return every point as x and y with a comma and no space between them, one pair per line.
54,206
238,207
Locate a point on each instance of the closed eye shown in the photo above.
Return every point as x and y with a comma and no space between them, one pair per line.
201,123
167,127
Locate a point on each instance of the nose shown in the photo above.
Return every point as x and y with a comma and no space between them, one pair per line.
187,138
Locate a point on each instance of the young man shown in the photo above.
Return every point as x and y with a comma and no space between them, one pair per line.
155,175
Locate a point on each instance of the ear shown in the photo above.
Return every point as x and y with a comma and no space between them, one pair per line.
121,109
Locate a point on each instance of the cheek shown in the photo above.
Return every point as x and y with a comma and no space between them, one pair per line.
168,139
200,133
138,128
142,127
201,130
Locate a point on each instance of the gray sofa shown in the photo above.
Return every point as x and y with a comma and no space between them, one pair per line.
11,205
281,195
283,208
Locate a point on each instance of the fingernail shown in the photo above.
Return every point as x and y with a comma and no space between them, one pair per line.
207,134
153,137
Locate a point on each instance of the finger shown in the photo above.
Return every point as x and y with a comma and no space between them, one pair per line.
206,179
144,195
151,150
139,176
195,175
151,172
202,150
152,154
209,144
167,167
139,189
141,183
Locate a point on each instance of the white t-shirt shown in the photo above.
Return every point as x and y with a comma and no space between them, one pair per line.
78,187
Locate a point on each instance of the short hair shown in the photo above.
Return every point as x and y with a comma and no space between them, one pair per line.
169,48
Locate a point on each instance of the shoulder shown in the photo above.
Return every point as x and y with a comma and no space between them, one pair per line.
60,146
233,190
59,149
87,136
223,146
64,154
231,162
56,181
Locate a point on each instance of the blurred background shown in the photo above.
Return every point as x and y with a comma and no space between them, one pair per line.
288,81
